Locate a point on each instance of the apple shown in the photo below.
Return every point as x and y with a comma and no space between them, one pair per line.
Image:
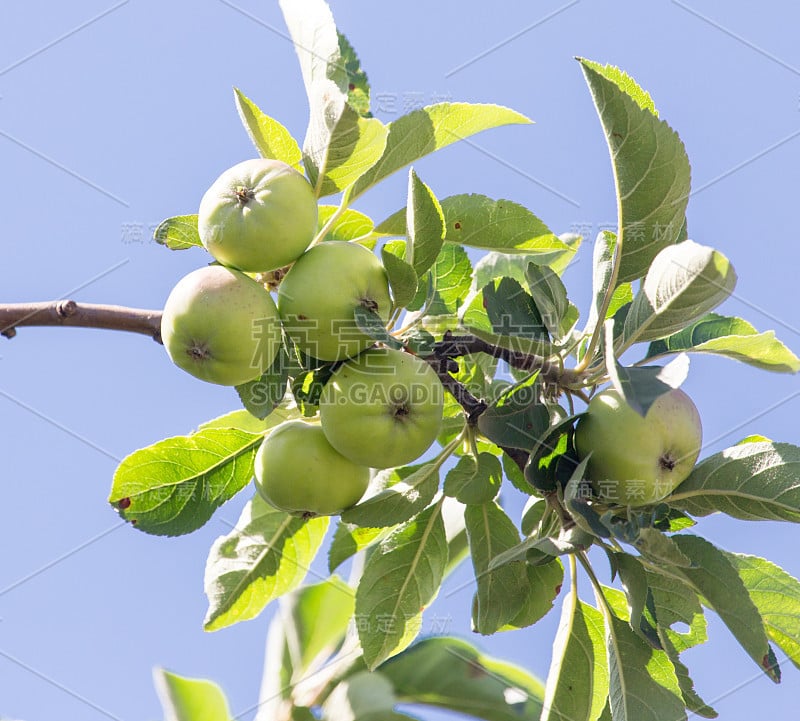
258,215
639,460
221,326
298,471
383,408
318,297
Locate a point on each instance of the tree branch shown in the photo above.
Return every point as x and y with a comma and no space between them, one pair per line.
79,315
453,346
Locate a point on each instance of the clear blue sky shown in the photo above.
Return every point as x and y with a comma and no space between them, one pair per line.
107,129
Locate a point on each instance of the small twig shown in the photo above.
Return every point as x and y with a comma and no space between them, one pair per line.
79,315
472,406
454,346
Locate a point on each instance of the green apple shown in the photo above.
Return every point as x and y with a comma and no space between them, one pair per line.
221,326
258,215
298,471
383,408
639,460
319,295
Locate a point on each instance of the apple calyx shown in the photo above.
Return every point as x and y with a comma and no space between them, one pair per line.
244,195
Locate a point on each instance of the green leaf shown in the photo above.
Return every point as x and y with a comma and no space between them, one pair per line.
271,139
776,595
683,283
693,702
263,395
316,42
723,590
450,673
481,222
349,539
494,264
657,547
517,418
423,131
605,246
501,593
730,337
425,223
369,322
178,233
363,696
676,602
452,274
641,386
651,168
474,481
266,555
553,458
642,681
401,577
190,699
349,225
340,145
358,89
402,278
512,311
751,481
246,421
544,583
403,493
577,684
550,296
174,486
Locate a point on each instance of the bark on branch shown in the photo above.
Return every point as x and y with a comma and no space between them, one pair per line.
79,315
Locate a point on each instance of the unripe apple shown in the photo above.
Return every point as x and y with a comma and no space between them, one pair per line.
319,295
298,471
383,408
639,460
221,326
258,215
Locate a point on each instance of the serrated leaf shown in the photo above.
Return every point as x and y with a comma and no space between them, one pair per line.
550,296
349,225
178,233
425,224
603,256
474,481
340,145
651,168
660,548
517,418
641,386
431,128
402,278
676,602
452,674
690,697
502,592
405,492
245,421
174,486
682,284
722,589
577,683
776,595
481,222
642,681
401,577
348,539
263,395
452,275
730,337
358,89
271,139
190,699
267,554
752,481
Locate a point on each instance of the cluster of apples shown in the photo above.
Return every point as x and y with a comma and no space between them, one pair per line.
381,408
